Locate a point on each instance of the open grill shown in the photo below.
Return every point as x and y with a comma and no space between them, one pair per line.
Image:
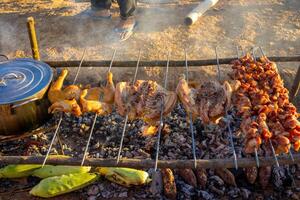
156,163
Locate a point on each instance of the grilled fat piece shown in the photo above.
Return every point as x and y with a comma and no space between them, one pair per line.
99,99
142,100
208,101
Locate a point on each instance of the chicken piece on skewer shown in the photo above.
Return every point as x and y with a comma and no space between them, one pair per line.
56,93
101,108
142,100
210,101
67,106
107,92
99,99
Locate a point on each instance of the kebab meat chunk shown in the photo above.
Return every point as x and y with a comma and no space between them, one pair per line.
144,100
263,104
208,101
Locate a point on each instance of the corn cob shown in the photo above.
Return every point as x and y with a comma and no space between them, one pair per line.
50,170
17,171
57,185
124,176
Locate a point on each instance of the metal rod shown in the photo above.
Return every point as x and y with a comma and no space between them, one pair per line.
218,63
79,67
126,117
262,51
60,144
148,163
273,152
190,115
52,141
89,140
237,52
112,59
161,123
60,119
95,117
291,155
33,39
160,63
256,157
227,120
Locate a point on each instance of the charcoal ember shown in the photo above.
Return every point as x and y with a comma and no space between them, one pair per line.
245,193
278,177
188,176
204,195
234,192
264,176
251,174
169,184
201,177
227,176
93,190
216,180
186,189
215,190
156,187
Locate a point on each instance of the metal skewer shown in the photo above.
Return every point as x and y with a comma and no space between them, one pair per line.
161,123
227,120
95,117
126,117
60,118
190,114
218,64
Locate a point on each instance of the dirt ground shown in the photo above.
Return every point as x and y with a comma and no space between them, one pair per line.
63,33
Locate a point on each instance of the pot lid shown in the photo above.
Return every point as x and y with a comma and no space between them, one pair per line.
20,79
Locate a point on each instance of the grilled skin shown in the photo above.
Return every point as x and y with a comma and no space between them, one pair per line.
143,100
208,101
56,93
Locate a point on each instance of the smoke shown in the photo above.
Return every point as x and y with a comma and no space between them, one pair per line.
8,35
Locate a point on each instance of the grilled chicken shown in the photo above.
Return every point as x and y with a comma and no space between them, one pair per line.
99,99
144,100
209,101
56,93
105,94
67,106
95,106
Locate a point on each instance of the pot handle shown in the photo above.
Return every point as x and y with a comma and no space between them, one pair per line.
5,56
24,102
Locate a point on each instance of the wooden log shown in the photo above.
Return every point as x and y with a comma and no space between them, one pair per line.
296,85
158,63
32,38
148,163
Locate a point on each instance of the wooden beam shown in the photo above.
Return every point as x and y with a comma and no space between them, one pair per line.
148,163
159,63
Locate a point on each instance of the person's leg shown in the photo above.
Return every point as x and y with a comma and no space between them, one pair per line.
127,8
101,8
127,23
